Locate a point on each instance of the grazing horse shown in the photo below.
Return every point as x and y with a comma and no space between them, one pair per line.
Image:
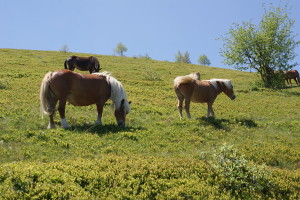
90,64
292,74
190,89
82,90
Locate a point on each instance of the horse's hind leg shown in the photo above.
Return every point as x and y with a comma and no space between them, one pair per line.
179,106
51,116
99,110
210,110
61,110
180,102
187,107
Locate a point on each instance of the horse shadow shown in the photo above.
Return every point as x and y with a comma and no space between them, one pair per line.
223,124
103,129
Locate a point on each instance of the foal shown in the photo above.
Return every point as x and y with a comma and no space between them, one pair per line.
206,91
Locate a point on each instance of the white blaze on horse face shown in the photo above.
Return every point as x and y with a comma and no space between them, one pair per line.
64,123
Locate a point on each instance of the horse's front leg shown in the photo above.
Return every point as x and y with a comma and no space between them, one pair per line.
99,110
61,110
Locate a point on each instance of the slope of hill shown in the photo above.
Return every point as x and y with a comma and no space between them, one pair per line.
250,150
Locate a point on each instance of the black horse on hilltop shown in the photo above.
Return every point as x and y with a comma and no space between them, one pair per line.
90,64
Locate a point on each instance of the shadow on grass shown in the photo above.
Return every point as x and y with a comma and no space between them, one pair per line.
223,124
102,130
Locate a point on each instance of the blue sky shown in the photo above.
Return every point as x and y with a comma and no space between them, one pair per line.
159,28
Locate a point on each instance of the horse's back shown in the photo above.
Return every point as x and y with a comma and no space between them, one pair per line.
195,90
80,89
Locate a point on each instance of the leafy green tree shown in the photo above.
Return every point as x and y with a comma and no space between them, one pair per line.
183,58
186,58
266,47
203,60
120,49
178,57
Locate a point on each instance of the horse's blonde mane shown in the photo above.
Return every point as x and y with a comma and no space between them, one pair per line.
117,91
227,82
186,79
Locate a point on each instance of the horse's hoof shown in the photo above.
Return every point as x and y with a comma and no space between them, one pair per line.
50,126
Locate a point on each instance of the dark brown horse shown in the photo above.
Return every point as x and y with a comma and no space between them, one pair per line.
292,74
90,64
82,90
188,88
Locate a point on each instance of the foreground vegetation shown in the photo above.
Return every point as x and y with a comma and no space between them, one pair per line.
250,150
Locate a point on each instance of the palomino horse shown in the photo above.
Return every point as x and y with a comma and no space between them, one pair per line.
82,90
190,89
90,64
292,74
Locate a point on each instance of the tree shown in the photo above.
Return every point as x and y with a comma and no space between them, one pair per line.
64,49
120,49
266,47
186,58
183,58
203,60
178,57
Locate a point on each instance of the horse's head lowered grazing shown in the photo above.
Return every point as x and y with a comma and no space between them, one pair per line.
118,96
82,90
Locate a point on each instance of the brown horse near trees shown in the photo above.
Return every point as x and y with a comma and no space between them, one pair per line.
90,64
82,90
188,88
292,74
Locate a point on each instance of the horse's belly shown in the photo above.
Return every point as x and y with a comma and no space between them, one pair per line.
80,101
196,98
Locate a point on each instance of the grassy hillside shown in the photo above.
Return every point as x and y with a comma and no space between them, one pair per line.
250,150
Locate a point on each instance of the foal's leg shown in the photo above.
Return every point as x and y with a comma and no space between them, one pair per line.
180,98
100,110
61,110
179,106
187,107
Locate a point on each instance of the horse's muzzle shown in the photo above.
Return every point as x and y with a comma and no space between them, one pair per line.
233,97
121,124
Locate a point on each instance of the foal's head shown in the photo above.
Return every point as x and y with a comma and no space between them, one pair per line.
225,86
121,112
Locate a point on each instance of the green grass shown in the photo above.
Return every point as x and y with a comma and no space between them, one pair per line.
156,155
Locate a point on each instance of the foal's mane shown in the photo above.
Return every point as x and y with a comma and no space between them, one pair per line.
186,79
117,91
226,82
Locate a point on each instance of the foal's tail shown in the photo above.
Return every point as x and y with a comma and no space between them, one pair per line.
47,96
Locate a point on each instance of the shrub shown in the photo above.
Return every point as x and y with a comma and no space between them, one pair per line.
239,176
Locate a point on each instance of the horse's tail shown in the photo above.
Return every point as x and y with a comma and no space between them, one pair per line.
47,96
65,64
297,74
